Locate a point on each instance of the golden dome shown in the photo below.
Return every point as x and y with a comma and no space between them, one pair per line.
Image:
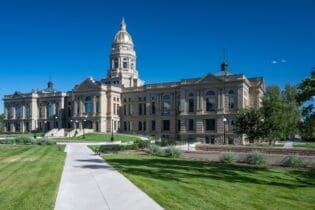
122,36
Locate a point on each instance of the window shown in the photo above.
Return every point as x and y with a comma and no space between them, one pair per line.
114,107
88,104
49,110
166,125
97,104
140,109
166,105
18,111
78,107
153,107
178,125
9,110
125,126
190,124
125,63
144,126
144,109
191,104
152,125
210,101
210,124
140,126
125,110
27,110
116,63
231,100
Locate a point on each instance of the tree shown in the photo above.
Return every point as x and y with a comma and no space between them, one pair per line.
1,122
249,122
306,94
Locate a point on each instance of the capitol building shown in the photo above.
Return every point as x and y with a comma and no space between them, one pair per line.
202,109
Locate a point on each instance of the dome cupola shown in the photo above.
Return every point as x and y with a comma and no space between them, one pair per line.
122,36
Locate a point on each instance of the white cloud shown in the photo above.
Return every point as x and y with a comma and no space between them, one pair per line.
283,61
274,62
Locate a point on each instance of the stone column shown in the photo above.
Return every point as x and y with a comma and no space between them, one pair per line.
94,105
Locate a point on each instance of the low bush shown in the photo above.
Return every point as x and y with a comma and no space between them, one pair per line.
227,157
256,158
172,152
154,150
141,144
109,148
23,140
44,142
295,161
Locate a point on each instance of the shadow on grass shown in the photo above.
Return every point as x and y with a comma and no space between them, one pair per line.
95,166
91,160
183,170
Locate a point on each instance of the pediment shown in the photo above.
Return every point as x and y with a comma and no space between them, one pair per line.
87,85
209,79
17,94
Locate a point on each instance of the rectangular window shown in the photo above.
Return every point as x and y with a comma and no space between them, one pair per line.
191,105
166,125
144,109
140,109
153,125
153,107
210,124
125,110
178,125
190,124
125,126
144,126
140,126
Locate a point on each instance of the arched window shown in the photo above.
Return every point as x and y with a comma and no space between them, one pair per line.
210,101
49,109
88,104
231,99
191,104
166,104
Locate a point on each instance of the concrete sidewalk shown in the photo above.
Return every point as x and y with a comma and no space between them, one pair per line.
88,182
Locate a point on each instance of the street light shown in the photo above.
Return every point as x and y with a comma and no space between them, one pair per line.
112,138
224,121
83,126
70,128
55,122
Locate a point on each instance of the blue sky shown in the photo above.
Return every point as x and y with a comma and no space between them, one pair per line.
71,40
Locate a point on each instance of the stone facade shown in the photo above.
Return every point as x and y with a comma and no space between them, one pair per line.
201,109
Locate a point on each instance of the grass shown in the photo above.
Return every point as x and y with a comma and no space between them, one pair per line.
105,137
29,176
306,145
183,184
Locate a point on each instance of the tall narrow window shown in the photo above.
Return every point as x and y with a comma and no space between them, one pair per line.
210,124
140,126
18,111
231,100
153,125
166,125
153,107
88,104
140,109
78,107
191,104
125,63
190,124
166,105
116,63
210,101
27,110
49,110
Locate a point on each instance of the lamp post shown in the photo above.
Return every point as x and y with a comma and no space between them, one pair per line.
70,128
55,122
112,138
224,121
83,126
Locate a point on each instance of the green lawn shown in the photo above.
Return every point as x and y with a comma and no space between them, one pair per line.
306,145
182,184
105,137
29,176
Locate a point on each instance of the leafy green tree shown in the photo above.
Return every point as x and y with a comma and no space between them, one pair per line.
1,122
305,97
249,122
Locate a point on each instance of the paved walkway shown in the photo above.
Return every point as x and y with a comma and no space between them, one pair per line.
88,182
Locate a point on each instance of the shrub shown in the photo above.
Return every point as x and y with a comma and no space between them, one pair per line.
141,144
256,158
295,161
109,148
44,142
154,150
172,152
23,140
227,157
